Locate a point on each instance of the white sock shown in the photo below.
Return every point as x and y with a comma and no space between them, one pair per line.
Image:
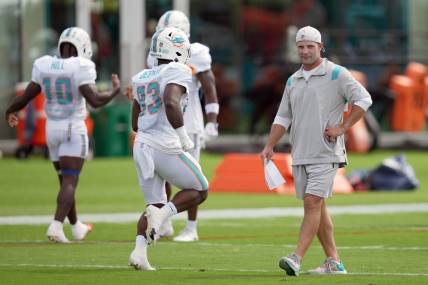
77,225
140,242
57,225
169,209
191,225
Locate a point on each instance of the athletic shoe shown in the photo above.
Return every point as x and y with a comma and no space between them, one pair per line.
166,229
155,218
291,264
80,230
187,235
138,259
56,234
330,266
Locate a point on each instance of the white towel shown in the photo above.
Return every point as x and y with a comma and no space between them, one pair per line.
145,159
273,177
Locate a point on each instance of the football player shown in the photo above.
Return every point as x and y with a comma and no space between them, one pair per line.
67,82
161,145
202,76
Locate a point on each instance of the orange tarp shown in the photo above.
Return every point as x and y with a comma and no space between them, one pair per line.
244,173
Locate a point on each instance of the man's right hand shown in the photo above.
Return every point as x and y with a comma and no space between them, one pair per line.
267,153
185,141
12,120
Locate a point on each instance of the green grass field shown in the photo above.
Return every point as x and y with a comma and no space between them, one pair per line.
376,249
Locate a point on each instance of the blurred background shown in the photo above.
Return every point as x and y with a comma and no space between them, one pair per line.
252,43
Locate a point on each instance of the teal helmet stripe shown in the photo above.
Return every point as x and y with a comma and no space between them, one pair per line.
68,32
167,16
155,40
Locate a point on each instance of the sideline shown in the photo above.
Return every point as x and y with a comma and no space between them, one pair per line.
250,213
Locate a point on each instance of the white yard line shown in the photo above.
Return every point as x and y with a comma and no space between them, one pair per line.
250,213
366,247
102,266
235,245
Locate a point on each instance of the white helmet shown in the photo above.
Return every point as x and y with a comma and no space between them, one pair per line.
176,19
171,44
79,38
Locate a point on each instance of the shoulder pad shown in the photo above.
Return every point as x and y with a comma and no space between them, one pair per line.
178,67
197,48
86,62
42,60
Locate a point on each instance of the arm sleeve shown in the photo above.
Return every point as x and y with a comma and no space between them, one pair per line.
87,73
354,92
284,115
201,58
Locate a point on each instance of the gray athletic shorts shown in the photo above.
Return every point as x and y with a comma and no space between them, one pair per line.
314,179
154,167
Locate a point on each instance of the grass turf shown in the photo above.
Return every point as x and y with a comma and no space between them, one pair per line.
379,249
230,252
110,185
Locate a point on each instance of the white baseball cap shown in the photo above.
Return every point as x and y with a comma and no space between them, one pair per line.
308,33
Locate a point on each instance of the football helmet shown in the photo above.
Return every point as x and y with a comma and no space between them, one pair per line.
171,44
176,19
79,38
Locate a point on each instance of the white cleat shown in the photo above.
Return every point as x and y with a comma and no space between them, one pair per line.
166,230
187,235
80,231
56,235
138,260
154,221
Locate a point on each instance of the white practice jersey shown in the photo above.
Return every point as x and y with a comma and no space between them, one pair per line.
148,88
60,80
200,61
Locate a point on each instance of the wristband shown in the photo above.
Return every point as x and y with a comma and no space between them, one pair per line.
212,108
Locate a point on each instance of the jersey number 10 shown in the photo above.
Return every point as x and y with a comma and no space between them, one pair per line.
61,93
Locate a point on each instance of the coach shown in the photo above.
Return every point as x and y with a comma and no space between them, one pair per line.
312,107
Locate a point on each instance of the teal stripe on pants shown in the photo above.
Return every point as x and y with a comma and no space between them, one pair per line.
195,170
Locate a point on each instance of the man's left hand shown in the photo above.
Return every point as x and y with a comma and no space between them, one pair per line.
331,133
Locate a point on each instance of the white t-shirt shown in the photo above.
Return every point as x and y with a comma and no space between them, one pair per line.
60,80
308,73
148,88
200,61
